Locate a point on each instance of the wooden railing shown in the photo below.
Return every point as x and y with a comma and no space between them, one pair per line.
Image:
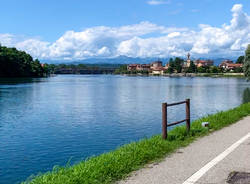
165,124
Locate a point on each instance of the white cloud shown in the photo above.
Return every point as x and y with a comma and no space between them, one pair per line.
137,41
99,41
158,2
34,47
6,39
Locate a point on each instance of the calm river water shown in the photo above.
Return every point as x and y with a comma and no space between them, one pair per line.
67,118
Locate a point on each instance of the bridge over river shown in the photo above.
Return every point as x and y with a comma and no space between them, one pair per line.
85,71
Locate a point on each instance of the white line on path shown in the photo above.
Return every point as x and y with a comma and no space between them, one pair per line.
196,176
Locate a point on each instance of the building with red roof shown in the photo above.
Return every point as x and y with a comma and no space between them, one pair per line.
202,63
229,65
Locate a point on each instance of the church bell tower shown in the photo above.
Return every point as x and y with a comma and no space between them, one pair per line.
188,60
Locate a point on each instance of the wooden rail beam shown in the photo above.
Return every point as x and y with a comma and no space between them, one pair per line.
178,103
176,123
164,121
165,124
188,114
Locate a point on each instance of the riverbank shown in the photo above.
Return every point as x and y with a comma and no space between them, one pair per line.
118,164
215,75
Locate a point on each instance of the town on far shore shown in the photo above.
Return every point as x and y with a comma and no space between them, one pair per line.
179,65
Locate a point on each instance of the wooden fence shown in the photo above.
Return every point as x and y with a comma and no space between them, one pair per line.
165,124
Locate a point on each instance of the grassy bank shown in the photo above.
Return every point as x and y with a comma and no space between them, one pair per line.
215,75
237,75
115,165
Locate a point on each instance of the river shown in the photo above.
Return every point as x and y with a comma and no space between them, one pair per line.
65,119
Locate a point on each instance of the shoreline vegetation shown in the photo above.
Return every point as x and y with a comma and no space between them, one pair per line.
215,75
118,164
15,63
120,69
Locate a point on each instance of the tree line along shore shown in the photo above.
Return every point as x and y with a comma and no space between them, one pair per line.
15,63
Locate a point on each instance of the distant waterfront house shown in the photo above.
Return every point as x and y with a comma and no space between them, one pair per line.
143,67
156,64
229,65
132,67
234,66
167,66
225,63
202,63
139,67
155,67
158,70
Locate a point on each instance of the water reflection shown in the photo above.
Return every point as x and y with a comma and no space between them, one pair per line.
246,96
44,122
13,81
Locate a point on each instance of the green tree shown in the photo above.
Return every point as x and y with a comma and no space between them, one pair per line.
81,66
246,66
238,70
201,69
14,63
169,70
72,66
240,60
204,69
214,69
171,66
62,66
192,68
178,64
123,70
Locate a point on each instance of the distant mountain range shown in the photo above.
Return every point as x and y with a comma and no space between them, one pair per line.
123,60
116,60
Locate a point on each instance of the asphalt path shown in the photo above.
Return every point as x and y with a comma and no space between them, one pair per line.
208,160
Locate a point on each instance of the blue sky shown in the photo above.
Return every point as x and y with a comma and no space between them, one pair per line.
89,28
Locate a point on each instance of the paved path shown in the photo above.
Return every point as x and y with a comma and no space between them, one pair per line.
180,166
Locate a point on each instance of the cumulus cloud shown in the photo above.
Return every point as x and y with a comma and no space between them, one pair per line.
34,47
138,41
100,41
6,39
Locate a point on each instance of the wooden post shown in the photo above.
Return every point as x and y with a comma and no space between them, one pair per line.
164,121
188,114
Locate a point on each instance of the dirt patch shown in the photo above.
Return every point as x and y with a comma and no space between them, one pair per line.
239,178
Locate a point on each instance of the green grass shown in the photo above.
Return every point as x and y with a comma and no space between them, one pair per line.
118,164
